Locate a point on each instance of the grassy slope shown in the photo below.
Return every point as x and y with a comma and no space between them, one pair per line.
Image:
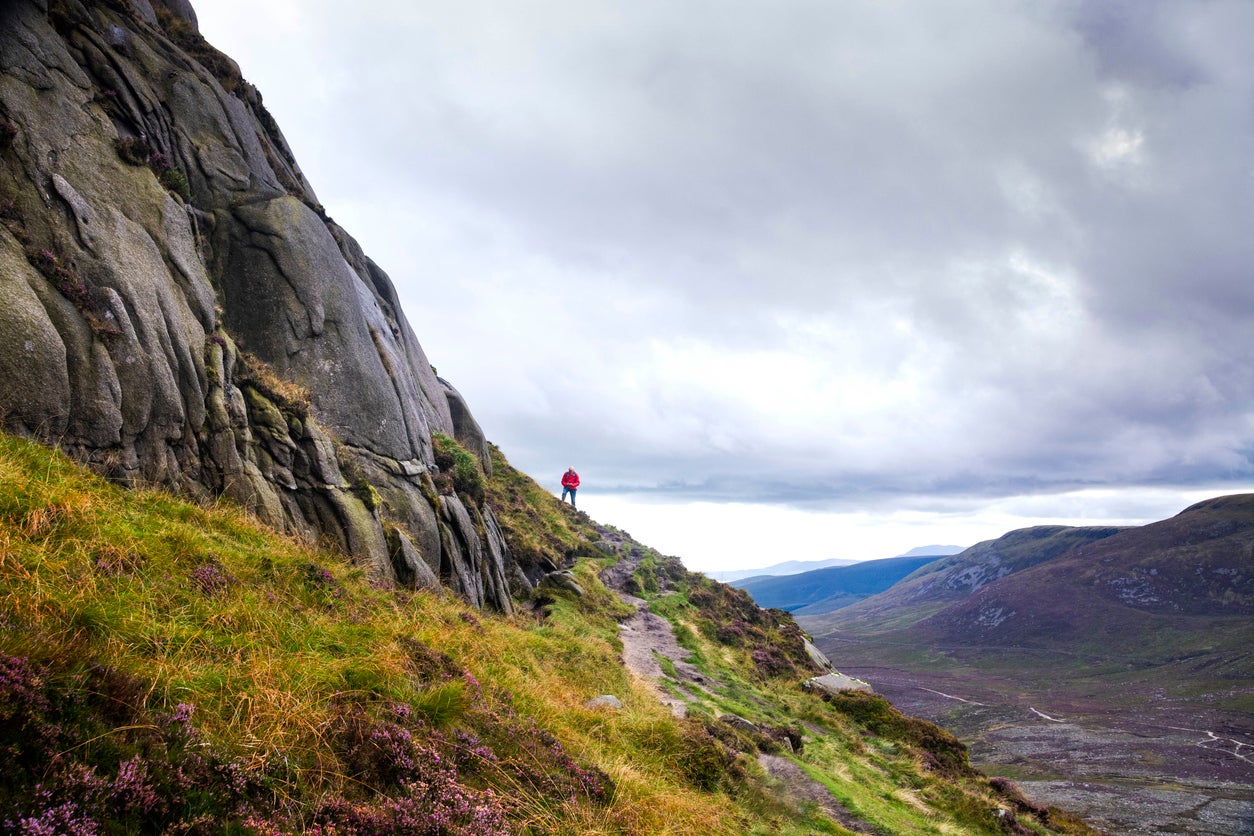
169,668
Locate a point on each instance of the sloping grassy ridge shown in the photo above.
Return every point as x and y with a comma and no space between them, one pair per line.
166,668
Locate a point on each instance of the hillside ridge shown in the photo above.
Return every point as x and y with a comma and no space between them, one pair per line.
829,588
171,668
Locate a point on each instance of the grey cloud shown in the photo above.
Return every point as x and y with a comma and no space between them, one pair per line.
967,248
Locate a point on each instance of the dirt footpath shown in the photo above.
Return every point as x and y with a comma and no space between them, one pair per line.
648,638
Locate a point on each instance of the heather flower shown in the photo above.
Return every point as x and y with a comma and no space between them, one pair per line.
182,713
471,751
131,792
21,690
210,579
322,579
63,820
395,746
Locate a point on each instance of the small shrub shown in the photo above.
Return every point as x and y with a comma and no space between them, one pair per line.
405,754
941,751
11,218
72,287
137,151
21,689
1008,790
645,579
443,484
83,756
705,761
792,734
194,44
252,371
461,467
771,662
731,633
133,150
159,163
428,664
107,98
8,133
367,493
318,577
211,579
174,180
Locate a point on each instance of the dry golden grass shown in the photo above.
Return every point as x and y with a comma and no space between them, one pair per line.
273,642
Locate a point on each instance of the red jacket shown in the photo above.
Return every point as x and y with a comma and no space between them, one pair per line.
570,479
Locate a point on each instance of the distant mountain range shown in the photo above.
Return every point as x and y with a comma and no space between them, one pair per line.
824,590
1108,589
788,567
795,567
954,578
1114,664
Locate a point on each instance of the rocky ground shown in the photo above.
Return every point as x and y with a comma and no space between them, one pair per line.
1127,774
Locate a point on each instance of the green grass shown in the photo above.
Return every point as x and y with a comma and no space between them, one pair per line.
163,663
903,774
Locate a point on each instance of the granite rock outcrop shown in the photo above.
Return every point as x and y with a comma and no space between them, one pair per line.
177,308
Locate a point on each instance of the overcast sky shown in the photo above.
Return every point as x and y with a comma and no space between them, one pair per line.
798,280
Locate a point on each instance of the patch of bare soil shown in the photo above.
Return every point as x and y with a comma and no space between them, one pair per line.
646,637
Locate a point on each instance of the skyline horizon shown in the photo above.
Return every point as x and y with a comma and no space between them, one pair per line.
855,276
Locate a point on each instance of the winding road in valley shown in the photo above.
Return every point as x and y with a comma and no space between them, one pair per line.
1127,773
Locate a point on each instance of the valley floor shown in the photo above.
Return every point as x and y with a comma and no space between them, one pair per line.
1177,771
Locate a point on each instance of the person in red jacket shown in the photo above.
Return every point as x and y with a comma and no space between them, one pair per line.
570,483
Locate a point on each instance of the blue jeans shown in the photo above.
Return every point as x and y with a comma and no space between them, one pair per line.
571,491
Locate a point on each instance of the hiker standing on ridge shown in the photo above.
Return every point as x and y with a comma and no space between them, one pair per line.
570,483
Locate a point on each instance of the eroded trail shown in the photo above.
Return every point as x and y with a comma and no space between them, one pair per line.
648,639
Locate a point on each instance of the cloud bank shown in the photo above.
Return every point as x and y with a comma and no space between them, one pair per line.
867,254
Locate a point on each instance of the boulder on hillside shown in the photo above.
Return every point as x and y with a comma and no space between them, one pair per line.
604,701
818,657
562,579
835,683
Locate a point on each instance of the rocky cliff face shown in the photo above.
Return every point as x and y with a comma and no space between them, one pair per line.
177,309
